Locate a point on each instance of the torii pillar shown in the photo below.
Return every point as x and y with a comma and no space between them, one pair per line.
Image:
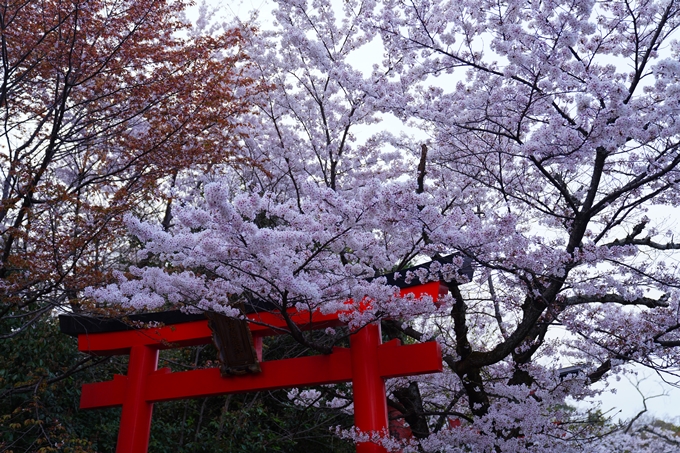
370,405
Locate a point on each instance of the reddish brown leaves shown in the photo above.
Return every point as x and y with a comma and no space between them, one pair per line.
101,103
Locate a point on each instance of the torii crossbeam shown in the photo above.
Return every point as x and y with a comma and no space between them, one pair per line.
366,363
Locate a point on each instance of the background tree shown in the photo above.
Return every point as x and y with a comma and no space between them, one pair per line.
551,163
103,106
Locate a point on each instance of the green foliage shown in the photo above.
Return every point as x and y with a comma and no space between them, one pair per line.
667,426
40,380
253,422
260,422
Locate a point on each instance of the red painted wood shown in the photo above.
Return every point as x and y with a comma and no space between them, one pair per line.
395,360
370,406
286,373
104,394
163,385
173,336
135,419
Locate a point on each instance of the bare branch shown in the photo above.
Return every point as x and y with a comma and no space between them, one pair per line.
617,299
647,242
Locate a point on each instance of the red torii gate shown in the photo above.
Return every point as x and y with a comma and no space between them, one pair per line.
366,363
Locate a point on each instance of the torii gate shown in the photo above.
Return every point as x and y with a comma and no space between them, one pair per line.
366,363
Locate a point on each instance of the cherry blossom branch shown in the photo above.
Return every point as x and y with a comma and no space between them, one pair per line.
647,242
667,343
76,368
617,299
651,47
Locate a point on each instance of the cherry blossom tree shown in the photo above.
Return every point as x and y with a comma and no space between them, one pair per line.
544,149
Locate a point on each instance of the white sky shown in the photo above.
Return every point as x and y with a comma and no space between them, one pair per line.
625,398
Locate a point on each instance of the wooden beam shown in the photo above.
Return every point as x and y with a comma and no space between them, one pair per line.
162,385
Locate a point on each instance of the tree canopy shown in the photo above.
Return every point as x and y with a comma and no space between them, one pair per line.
540,143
